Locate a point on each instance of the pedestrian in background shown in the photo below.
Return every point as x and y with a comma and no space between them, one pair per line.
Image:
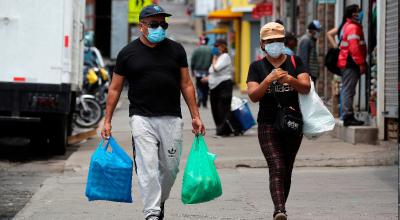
351,61
290,43
157,71
307,50
199,63
277,77
221,87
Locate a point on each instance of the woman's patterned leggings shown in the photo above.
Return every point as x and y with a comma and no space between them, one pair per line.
280,152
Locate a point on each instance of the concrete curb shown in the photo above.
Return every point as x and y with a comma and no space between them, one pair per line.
380,158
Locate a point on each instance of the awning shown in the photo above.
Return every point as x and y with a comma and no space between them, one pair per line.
217,31
225,14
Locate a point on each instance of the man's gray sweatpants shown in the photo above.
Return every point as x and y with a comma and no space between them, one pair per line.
158,146
350,78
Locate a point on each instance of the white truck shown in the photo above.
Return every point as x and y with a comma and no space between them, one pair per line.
41,59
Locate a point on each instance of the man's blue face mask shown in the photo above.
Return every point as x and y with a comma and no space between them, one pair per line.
360,16
156,35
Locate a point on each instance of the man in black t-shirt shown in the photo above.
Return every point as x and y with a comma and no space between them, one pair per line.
157,72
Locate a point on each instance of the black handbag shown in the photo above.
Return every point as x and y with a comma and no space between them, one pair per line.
331,60
289,121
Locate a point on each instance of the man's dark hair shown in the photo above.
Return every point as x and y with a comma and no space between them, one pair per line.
279,21
289,36
348,13
206,39
219,42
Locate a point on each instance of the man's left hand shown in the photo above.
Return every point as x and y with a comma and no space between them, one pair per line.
198,126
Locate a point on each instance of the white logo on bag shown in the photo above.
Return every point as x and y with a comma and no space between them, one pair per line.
292,124
280,88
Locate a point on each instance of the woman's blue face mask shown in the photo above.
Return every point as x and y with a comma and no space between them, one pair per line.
215,51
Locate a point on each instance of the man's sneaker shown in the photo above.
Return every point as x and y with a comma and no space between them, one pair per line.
152,217
351,121
280,216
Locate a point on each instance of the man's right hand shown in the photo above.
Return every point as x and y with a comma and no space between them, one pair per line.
106,131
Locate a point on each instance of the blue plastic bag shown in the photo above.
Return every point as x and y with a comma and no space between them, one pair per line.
110,173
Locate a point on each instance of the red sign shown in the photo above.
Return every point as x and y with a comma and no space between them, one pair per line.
261,10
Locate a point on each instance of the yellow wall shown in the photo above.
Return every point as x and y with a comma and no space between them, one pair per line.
244,54
236,26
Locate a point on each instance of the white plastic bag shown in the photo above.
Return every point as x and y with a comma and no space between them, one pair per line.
316,117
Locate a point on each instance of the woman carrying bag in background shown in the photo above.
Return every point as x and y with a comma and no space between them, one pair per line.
275,81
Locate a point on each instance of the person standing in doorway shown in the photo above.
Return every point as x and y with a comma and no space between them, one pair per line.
199,63
307,50
157,71
351,61
277,78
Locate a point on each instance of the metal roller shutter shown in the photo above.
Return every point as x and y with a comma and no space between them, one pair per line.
391,59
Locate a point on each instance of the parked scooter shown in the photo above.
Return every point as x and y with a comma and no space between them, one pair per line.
96,83
95,77
88,111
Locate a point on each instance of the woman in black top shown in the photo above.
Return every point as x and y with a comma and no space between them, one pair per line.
277,77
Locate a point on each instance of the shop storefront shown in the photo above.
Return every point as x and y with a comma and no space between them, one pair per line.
377,95
387,101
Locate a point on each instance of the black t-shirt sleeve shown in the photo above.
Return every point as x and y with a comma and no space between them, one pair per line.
300,68
253,75
182,56
120,64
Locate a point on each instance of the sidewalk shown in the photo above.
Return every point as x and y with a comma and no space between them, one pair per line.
244,151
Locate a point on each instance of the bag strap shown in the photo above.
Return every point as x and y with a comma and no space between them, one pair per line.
341,37
293,62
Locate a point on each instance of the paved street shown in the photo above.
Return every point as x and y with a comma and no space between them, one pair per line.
23,169
366,193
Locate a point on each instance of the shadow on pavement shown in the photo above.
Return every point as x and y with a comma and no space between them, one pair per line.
20,149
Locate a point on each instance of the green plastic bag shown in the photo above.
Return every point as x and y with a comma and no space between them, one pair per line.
201,181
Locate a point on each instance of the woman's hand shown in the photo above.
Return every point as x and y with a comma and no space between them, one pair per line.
204,80
285,79
214,60
276,75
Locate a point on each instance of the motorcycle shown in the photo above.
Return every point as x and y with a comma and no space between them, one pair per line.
88,111
96,83
95,77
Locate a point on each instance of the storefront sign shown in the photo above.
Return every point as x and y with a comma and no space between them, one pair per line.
134,8
242,6
261,10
